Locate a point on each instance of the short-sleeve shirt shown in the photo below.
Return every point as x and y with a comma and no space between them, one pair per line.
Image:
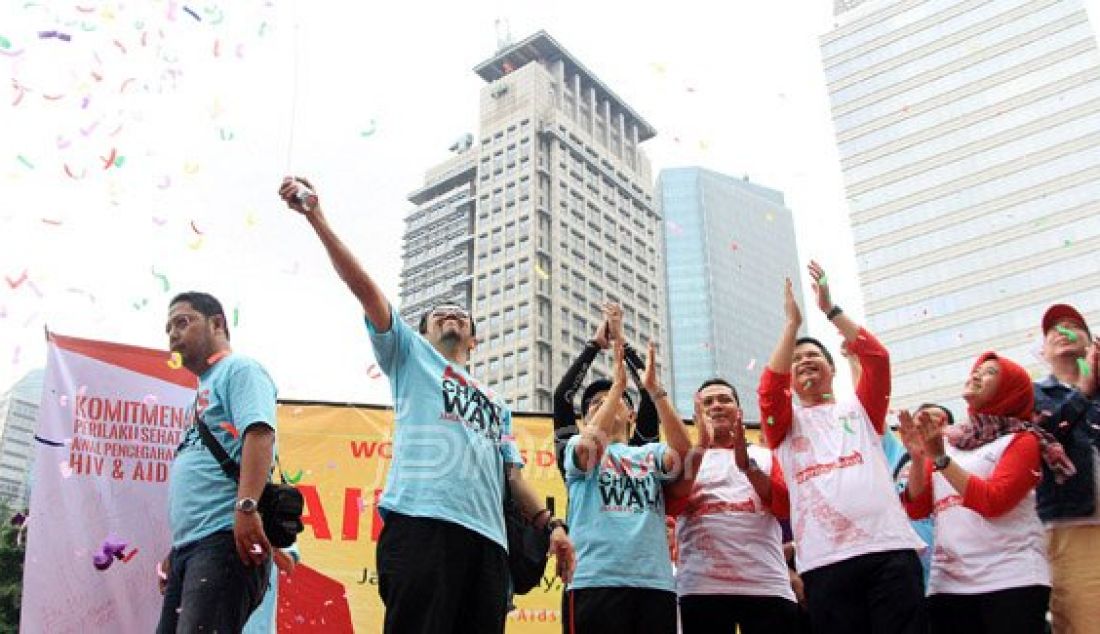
234,394
450,435
617,518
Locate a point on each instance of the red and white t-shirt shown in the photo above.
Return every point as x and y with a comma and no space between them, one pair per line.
843,500
730,542
983,544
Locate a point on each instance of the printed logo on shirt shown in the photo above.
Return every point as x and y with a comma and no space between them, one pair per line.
948,502
464,402
191,438
698,508
815,470
626,487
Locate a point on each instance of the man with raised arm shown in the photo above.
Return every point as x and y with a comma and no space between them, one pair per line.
442,559
855,549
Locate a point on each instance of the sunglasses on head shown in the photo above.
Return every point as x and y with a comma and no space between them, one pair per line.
450,311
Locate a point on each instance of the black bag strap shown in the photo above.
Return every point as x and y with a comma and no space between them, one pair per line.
231,468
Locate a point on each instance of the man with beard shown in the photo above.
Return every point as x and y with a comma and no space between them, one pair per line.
731,572
442,554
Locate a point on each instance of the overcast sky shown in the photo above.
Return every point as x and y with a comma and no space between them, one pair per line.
204,107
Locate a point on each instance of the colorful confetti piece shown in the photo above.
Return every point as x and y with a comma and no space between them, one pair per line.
1083,366
231,429
191,13
771,421
17,282
165,286
1067,333
25,161
373,372
541,273
296,478
176,361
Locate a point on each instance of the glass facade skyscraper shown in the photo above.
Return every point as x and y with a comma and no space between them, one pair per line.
728,245
969,138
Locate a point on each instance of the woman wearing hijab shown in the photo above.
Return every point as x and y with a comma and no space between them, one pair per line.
989,569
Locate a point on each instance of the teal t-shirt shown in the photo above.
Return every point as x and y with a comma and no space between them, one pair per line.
201,497
617,518
450,433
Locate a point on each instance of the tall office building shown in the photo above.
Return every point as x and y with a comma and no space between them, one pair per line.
729,244
546,213
18,413
969,138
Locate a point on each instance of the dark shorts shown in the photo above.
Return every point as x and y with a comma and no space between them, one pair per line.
1013,611
722,613
209,589
877,593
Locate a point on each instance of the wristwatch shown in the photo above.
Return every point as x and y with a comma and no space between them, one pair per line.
833,312
246,505
555,523
939,464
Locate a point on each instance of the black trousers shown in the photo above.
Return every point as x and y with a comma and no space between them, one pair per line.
437,577
1013,611
618,611
877,593
722,613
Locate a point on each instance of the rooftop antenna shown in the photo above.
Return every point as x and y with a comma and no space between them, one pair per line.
504,33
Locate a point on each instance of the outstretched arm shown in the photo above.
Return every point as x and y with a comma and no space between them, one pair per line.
365,289
775,383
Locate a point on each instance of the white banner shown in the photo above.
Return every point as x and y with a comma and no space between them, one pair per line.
109,423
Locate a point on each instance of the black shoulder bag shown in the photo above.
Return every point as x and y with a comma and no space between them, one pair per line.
527,545
280,505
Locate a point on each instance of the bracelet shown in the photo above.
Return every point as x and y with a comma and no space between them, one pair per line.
833,312
557,523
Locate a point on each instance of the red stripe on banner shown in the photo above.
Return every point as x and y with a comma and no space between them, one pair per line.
153,363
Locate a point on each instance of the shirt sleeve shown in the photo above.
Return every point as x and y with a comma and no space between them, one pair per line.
571,468
565,416
508,448
392,345
659,449
873,389
776,411
251,397
1016,473
920,507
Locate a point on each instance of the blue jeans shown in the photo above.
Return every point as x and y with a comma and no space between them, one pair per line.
209,589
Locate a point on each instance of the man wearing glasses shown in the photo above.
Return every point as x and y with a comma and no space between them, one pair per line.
218,569
442,560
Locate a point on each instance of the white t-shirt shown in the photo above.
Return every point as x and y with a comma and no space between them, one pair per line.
730,543
974,554
843,500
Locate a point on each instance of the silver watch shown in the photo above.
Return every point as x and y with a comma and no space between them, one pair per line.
246,505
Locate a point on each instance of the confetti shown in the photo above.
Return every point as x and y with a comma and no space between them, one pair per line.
51,443
110,160
226,135
140,304
50,221
771,421
543,274
66,469
296,478
824,281
236,316
130,555
195,228
163,279
370,130
257,549
17,282
25,161
192,13
1067,333
848,427
751,365
1083,366
373,372
5,43
827,397
769,216
230,429
176,361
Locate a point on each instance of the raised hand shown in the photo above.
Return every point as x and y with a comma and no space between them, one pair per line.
298,194
740,445
649,378
1088,379
820,286
790,304
601,338
613,313
931,434
702,426
909,433
618,372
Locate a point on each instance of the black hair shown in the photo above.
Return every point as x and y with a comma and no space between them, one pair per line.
423,327
820,346
205,304
720,381
950,417
594,388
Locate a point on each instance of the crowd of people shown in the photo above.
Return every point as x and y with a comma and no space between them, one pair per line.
975,522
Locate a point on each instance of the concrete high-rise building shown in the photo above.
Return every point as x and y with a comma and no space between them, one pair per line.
969,138
19,415
729,244
546,213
